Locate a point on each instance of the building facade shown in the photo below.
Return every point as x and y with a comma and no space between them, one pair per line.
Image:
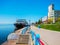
52,13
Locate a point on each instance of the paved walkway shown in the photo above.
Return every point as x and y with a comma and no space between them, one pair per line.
48,37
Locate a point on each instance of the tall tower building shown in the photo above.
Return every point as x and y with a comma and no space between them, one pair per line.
51,7
51,11
51,14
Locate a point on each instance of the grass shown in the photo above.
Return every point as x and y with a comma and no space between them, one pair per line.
53,27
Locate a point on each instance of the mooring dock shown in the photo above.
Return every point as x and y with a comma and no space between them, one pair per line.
24,36
47,37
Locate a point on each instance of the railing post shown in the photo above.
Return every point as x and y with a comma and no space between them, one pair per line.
37,37
32,34
24,30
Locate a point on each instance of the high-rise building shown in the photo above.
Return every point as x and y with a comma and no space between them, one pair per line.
52,13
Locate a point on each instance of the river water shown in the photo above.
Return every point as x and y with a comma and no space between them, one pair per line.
5,30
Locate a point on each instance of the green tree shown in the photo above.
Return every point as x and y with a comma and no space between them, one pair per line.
39,22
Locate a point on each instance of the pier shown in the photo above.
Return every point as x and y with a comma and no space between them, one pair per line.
24,36
47,37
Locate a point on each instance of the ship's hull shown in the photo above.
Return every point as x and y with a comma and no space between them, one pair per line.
19,26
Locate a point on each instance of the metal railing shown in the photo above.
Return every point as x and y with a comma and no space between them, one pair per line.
24,30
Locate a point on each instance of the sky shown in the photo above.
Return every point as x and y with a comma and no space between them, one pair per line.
11,10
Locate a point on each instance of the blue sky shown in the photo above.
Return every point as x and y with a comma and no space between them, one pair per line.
33,10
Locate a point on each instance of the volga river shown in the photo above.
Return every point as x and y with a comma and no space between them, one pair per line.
5,30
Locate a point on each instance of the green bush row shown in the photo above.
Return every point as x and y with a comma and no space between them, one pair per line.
55,27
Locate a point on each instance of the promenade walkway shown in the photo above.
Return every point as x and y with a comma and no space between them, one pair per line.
47,36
